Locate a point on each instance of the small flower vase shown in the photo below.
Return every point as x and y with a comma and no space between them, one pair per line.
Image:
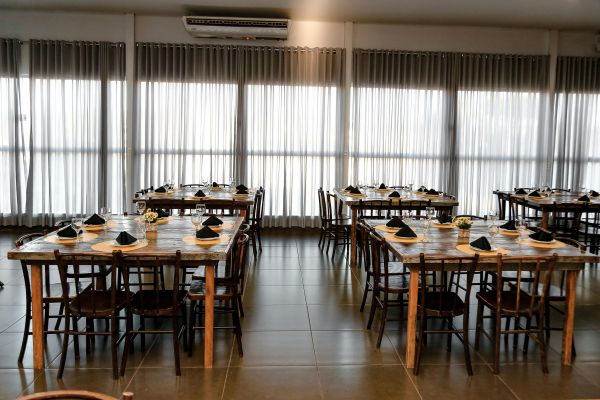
151,231
464,233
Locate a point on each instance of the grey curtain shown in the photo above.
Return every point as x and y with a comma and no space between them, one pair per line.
577,123
13,161
77,146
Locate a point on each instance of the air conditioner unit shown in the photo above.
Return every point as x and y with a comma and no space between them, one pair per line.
236,28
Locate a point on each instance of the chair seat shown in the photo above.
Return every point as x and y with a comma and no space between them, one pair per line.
341,222
96,302
198,291
199,273
397,283
53,293
442,304
150,302
509,302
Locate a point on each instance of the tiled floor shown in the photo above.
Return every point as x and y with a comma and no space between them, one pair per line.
304,338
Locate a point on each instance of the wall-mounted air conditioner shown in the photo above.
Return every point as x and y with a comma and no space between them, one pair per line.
236,28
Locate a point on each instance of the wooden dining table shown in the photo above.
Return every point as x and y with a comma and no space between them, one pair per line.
168,240
444,242
183,199
412,201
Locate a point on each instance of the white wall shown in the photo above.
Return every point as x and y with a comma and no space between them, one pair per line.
115,27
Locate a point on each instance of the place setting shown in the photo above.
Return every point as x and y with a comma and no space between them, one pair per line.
124,242
71,234
207,231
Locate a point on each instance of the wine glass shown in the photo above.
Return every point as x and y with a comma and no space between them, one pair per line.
407,216
141,207
429,212
493,231
196,220
521,227
425,224
200,210
493,216
141,231
78,224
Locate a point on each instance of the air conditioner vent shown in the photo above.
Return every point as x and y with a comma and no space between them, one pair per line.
236,28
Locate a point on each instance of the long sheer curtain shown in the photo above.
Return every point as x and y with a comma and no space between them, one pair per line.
577,123
13,158
77,145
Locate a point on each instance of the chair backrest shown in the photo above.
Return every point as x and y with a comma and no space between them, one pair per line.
88,275
240,259
334,206
532,276
380,258
134,269
456,276
74,395
378,209
364,231
258,208
322,206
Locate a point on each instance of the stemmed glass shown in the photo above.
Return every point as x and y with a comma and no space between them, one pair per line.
78,224
521,228
425,226
105,212
200,210
407,217
493,230
196,220
430,212
141,207
493,216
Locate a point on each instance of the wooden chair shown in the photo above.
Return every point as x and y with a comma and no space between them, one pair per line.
378,209
503,200
255,220
155,301
444,301
339,225
74,395
93,302
226,291
525,297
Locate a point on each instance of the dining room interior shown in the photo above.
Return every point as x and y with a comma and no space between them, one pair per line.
300,199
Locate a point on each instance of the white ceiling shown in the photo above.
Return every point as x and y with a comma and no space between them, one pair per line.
561,14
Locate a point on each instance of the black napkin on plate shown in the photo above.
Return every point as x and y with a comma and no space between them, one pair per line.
242,191
593,193
162,213
206,233
535,193
444,219
215,184
241,187
433,192
125,238
584,198
382,186
509,226
541,236
212,221
394,194
349,188
355,191
520,191
95,220
200,193
67,232
161,189
422,189
395,223
406,232
481,244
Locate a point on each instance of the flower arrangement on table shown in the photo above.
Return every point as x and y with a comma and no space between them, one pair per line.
464,225
149,216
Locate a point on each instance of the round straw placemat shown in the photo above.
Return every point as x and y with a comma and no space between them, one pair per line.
394,238
191,239
466,248
85,237
108,247
356,195
508,232
385,228
221,227
555,245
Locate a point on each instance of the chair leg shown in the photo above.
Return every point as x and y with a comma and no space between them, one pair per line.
25,332
465,334
65,346
449,336
142,334
46,319
478,324
526,340
190,327
61,310
497,327
76,338
383,319
238,328
184,322
365,293
374,296
128,342
240,306
542,338
113,346
420,344
175,319
258,233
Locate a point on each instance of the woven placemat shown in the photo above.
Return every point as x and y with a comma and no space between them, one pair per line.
555,245
108,247
192,240
466,248
85,237
394,238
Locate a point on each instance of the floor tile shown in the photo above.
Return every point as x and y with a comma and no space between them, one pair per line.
325,317
275,348
276,318
352,347
274,277
14,381
273,295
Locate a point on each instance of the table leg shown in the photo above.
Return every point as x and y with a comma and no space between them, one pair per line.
567,344
37,317
353,249
411,322
209,314
545,217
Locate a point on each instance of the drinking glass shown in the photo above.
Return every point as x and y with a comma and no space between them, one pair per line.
521,227
78,224
493,230
141,207
430,212
493,216
196,220
425,224
407,216
200,210
141,229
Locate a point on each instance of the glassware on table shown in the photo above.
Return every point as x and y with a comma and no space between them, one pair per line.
430,212
141,231
521,228
425,225
493,231
197,220
407,217
141,207
493,216
77,224
201,210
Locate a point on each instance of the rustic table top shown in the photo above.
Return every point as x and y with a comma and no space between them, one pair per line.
186,196
443,242
373,195
169,239
563,199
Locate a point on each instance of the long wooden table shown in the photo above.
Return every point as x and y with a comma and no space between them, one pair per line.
183,198
443,242
411,202
169,239
567,202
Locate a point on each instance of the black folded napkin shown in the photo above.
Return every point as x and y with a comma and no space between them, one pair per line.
215,184
125,238
348,188
382,186
242,191
206,233
394,194
481,244
593,193
406,232
541,236
584,198
355,191
241,187
95,220
395,223
161,189
162,213
212,221
200,193
433,192
520,191
509,226
444,219
422,189
535,193
67,232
